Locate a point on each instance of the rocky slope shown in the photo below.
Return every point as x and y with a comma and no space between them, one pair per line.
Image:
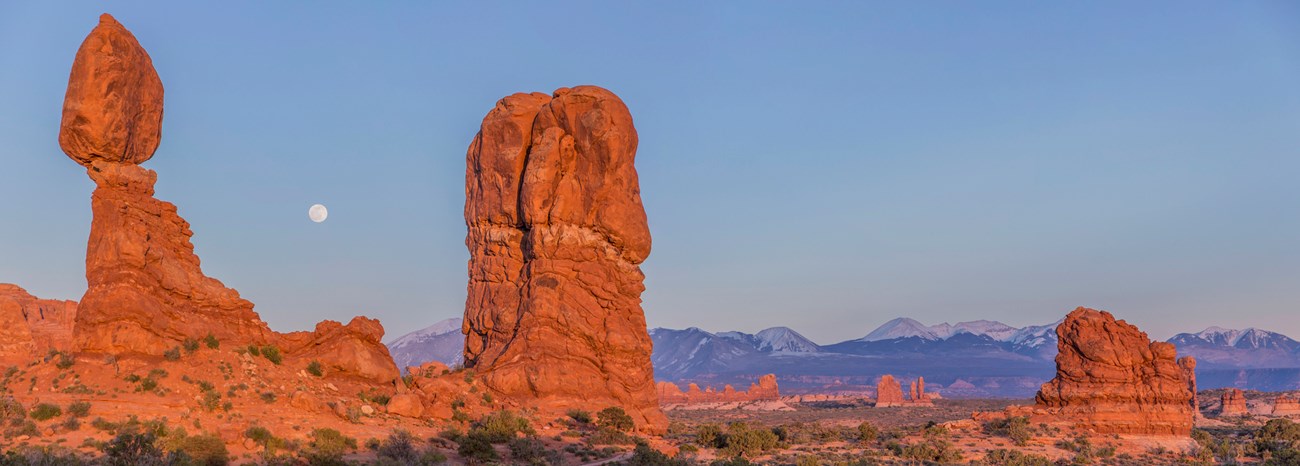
32,326
556,236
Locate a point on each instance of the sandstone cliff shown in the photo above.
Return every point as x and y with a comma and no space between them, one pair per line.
32,326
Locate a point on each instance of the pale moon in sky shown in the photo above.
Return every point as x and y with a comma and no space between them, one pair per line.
318,213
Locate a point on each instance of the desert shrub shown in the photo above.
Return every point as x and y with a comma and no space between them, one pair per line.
375,396
1278,435
268,397
709,435
46,411
476,448
63,360
211,401
203,449
643,455
609,436
211,341
327,447
867,433
272,354
20,427
79,409
531,451
191,345
501,426
263,438
41,456
1004,457
742,440
173,354
582,417
253,350
11,410
314,368
932,450
615,418
737,461
1015,428
137,449
71,424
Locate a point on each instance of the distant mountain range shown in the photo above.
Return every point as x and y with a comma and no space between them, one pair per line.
980,358
440,342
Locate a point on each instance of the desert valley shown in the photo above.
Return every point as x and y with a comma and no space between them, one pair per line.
552,361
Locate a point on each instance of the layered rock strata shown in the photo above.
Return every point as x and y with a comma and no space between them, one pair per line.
556,234
1233,403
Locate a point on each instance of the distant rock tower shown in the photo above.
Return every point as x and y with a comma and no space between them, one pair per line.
556,236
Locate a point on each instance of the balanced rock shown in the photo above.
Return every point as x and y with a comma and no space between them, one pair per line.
33,326
113,109
146,290
1286,405
1112,379
556,234
1233,403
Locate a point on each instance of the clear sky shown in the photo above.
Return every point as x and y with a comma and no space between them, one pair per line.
821,165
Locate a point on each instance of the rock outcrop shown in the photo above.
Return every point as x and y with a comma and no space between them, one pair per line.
556,234
33,326
1112,379
1233,403
766,389
889,393
147,293
1286,405
1188,365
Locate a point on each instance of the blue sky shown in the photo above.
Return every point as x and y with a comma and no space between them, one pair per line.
825,166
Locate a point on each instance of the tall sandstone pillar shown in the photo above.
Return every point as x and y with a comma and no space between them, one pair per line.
556,234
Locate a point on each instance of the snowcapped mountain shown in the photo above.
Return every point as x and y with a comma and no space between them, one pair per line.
1217,347
782,339
440,342
903,327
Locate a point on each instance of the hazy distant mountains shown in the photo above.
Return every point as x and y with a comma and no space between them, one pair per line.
969,359
441,342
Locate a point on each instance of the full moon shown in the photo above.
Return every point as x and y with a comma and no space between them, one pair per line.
318,213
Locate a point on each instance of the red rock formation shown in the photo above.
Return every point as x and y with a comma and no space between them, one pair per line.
33,326
1111,378
765,389
556,236
889,393
1285,405
112,111
1234,403
147,292
1188,365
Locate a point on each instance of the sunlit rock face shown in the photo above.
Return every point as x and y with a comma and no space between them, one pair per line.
146,290
556,236
1111,378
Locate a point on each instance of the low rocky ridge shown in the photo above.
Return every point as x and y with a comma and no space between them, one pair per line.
765,389
32,326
